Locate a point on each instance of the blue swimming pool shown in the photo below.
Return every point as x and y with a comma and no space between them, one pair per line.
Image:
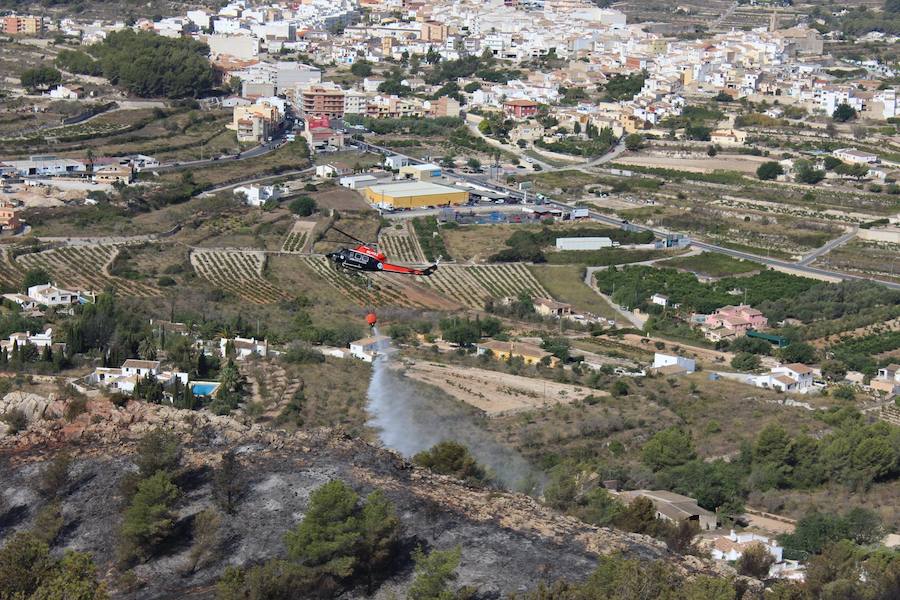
204,388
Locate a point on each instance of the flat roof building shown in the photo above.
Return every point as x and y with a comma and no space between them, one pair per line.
415,195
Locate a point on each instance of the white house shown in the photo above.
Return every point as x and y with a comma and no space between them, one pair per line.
49,295
395,162
25,302
62,92
125,378
368,348
792,378
854,156
659,300
731,547
40,340
244,347
257,195
141,368
688,365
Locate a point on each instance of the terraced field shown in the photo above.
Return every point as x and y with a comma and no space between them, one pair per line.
400,246
239,272
472,285
83,268
10,274
298,237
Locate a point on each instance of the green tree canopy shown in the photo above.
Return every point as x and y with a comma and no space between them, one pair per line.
303,206
29,572
843,113
39,78
150,518
670,447
434,574
149,65
338,538
451,458
769,170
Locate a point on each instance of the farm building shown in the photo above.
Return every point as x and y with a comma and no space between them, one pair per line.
368,348
46,165
583,243
671,364
529,353
673,507
548,307
414,195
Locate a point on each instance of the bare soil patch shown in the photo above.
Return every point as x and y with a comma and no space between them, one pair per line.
742,163
497,393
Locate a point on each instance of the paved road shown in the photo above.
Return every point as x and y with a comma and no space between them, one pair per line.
629,316
614,153
836,242
800,268
257,180
260,150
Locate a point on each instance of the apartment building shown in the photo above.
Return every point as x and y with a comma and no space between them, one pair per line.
322,100
254,123
21,25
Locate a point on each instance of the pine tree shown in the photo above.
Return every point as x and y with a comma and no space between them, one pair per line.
47,354
16,357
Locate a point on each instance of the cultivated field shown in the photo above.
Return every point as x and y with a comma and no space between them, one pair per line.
239,272
742,163
494,392
299,237
399,245
472,285
84,268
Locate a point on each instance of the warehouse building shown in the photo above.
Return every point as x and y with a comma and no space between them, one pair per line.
426,172
393,196
583,243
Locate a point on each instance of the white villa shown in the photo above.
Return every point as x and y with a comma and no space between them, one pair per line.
244,347
125,378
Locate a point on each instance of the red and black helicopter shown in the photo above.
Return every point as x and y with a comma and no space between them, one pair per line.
366,257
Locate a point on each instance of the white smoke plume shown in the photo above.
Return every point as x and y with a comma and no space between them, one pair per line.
409,419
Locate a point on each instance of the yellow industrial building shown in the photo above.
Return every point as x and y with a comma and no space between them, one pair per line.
415,194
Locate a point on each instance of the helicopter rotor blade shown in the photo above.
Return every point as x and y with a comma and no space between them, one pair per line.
355,239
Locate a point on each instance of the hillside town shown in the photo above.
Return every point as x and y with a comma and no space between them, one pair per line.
449,299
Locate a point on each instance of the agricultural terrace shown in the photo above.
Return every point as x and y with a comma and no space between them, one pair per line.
868,353
298,237
382,289
430,240
10,275
399,246
566,284
632,286
84,268
473,285
710,264
239,272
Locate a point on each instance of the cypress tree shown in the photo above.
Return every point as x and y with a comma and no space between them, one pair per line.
188,398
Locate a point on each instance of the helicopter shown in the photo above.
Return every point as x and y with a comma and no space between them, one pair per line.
366,257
